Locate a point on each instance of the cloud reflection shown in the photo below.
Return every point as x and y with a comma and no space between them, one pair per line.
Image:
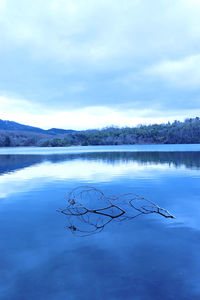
36,176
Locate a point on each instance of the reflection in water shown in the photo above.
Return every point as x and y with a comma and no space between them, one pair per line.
151,258
21,173
190,160
90,210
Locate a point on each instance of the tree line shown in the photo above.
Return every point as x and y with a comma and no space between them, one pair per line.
187,132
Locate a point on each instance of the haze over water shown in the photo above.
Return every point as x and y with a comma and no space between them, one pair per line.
149,257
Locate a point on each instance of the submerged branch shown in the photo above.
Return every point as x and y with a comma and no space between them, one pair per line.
90,210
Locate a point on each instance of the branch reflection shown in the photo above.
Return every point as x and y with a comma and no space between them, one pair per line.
89,210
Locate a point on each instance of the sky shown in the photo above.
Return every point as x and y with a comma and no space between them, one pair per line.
83,64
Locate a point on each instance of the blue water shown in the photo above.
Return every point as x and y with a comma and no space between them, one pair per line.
148,257
94,149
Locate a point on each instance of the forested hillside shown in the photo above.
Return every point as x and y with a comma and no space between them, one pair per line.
171,133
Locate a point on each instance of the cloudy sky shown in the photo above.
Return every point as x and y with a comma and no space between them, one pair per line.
93,63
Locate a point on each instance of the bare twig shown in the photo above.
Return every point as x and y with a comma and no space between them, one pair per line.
89,210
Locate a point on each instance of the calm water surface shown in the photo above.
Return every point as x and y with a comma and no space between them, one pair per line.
149,257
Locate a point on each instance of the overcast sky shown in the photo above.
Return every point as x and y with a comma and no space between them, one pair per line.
93,63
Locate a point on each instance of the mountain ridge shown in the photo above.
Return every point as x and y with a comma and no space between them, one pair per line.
14,126
13,134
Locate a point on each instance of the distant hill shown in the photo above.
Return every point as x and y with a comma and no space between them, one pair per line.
59,131
13,134
10,125
14,126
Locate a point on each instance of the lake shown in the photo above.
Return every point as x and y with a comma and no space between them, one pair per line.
141,258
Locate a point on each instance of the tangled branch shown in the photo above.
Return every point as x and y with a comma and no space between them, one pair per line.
90,210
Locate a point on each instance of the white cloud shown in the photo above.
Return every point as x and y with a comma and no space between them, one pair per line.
183,73
96,32
90,117
73,52
2,6
13,105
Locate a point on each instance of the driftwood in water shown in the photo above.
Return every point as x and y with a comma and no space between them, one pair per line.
89,210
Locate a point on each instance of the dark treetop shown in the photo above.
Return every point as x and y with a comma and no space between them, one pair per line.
15,134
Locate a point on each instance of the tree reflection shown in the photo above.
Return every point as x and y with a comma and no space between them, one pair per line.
89,210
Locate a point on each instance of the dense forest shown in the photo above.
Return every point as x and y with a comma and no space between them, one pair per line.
187,132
